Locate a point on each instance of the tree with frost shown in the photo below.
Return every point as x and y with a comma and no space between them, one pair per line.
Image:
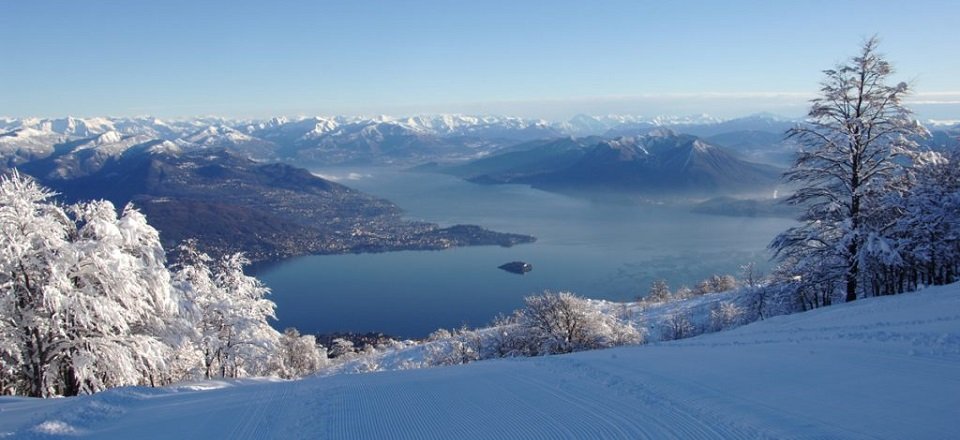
750,275
246,339
928,230
342,348
702,288
507,337
230,311
659,291
562,322
855,133
460,346
683,292
299,355
677,326
34,239
86,302
726,315
120,313
722,283
193,277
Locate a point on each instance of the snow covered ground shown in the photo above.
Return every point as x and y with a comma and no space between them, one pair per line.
877,368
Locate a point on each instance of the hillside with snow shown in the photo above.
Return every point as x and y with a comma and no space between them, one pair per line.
885,367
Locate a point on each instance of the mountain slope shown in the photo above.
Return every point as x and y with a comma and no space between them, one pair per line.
661,162
877,368
525,159
271,211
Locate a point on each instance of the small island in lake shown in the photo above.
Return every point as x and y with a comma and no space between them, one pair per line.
518,267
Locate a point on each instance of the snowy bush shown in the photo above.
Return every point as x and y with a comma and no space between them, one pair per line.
659,291
460,347
342,349
299,355
725,316
563,322
507,337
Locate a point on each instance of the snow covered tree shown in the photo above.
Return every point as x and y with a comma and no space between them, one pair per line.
193,277
508,338
85,301
726,315
677,326
855,132
34,240
702,288
750,275
659,291
722,283
342,349
928,230
299,355
231,313
563,322
120,309
683,292
248,339
461,346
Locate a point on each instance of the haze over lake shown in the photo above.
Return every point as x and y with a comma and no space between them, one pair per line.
610,250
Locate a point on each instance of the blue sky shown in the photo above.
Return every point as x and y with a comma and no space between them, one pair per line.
547,59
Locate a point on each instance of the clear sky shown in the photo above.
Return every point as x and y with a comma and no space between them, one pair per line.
548,59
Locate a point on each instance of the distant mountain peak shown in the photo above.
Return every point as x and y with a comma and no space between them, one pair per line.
701,146
110,137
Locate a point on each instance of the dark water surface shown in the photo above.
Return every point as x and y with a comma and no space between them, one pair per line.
600,250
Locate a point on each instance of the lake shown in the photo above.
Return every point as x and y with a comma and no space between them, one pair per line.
598,250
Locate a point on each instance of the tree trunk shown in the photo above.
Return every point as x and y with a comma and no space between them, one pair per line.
71,386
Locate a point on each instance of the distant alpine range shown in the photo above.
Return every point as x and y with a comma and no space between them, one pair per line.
239,184
346,140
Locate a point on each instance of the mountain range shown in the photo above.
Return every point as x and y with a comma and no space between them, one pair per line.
659,162
349,140
224,180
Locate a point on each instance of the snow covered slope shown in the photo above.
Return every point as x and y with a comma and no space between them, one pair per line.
878,368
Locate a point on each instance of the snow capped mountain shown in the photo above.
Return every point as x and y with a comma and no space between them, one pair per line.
24,144
299,130
7,124
86,156
218,136
166,147
69,126
341,139
110,137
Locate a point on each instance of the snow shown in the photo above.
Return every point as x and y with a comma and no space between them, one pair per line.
877,368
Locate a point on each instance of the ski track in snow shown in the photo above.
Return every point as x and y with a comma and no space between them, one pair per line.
879,368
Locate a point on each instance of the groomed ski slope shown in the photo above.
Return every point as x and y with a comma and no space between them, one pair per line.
877,368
